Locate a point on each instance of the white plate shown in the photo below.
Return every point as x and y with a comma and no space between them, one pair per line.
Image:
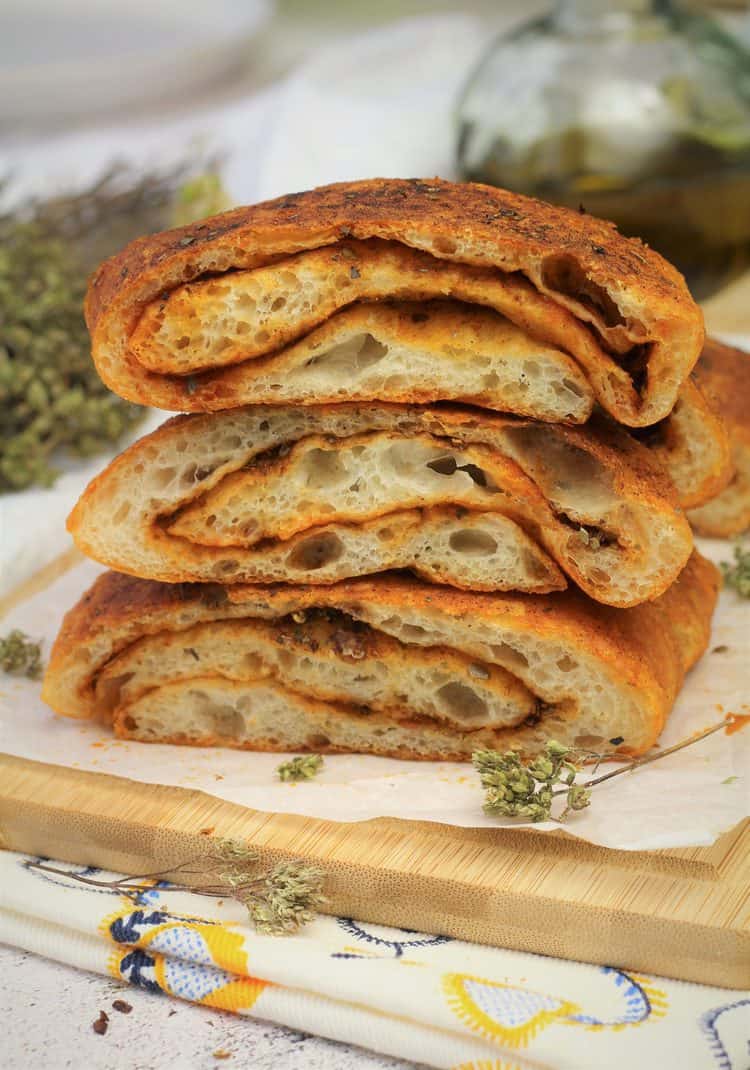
62,58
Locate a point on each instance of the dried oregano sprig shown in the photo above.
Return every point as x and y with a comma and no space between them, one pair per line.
278,901
515,789
287,899
737,574
51,397
303,767
50,394
528,789
21,655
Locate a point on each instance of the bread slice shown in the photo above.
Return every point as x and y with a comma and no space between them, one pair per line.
174,313
388,666
723,373
316,494
693,444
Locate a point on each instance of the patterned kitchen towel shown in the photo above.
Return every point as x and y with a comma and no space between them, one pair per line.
428,999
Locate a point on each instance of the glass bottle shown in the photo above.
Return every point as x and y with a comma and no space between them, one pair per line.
637,111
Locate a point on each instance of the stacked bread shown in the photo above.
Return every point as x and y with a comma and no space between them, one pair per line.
427,491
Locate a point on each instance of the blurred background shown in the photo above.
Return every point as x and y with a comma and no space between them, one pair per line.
122,117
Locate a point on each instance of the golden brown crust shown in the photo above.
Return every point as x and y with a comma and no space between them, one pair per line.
693,444
390,208
628,290
113,613
723,375
728,514
115,597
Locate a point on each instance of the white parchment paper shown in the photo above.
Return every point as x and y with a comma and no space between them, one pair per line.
689,798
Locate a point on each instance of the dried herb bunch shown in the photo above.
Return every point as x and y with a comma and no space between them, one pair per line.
50,395
515,788
278,900
20,655
303,767
737,573
281,900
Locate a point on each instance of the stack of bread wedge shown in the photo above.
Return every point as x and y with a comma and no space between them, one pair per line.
427,490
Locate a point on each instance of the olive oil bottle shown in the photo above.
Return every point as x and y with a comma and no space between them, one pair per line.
637,111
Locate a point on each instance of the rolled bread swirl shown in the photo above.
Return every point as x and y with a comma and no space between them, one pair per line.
316,494
388,666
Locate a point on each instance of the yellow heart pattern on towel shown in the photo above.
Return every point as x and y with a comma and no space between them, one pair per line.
504,1013
180,956
494,1064
211,987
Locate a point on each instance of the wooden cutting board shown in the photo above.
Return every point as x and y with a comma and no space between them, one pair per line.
681,913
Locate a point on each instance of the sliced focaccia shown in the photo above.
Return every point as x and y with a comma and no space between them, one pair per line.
693,444
318,494
279,297
723,374
388,666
